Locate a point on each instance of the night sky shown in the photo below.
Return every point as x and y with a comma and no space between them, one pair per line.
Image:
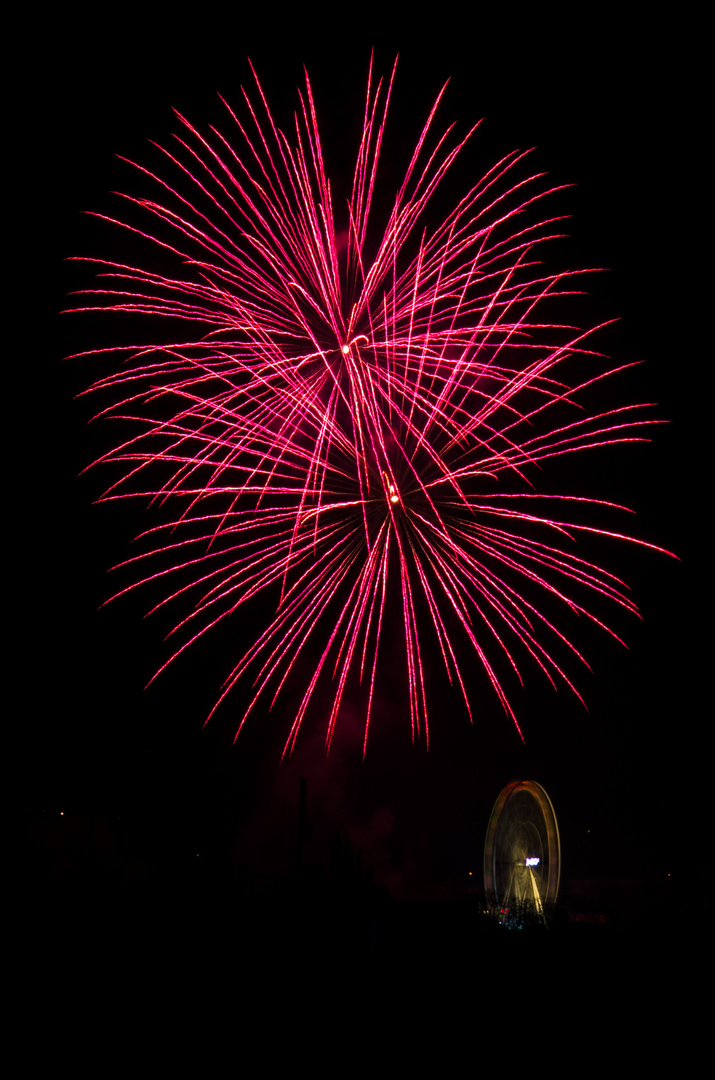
609,111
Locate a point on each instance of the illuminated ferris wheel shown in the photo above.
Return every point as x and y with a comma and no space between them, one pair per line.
522,854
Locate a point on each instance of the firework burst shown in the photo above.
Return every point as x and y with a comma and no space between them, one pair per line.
353,430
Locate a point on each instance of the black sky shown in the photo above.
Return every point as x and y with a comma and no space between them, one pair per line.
611,109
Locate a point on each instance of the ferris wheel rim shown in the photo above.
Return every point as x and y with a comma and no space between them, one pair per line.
545,807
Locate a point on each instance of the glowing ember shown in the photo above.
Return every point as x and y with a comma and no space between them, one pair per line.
352,429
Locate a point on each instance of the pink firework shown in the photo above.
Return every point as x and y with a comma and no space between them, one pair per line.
354,425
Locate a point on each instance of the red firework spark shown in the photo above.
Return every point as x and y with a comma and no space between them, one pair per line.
357,429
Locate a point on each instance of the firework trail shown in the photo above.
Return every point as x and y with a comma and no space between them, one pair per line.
353,429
